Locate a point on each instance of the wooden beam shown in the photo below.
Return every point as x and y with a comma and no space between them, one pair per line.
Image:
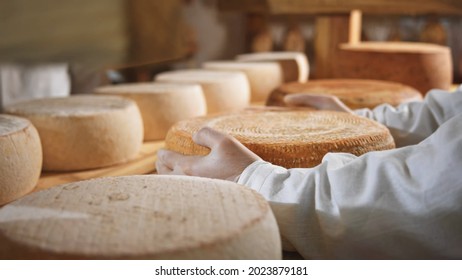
355,27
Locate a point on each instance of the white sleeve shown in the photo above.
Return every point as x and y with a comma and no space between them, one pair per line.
401,203
412,122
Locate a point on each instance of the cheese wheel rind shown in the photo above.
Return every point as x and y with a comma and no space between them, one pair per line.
21,158
141,217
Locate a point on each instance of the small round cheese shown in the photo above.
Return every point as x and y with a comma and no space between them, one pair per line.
141,217
294,64
161,104
263,77
223,90
84,131
21,157
290,139
355,93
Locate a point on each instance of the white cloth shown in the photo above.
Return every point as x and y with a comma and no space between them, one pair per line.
404,203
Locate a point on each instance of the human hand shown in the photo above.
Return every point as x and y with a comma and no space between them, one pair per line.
320,102
226,160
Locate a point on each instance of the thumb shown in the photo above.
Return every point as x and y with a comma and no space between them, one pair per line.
208,137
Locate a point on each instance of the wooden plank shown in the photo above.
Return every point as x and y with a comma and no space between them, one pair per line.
143,164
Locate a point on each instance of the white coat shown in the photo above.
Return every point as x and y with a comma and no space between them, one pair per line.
404,203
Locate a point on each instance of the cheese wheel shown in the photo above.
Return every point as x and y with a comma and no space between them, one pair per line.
84,131
263,77
289,139
161,104
21,157
141,217
422,66
294,64
355,93
223,90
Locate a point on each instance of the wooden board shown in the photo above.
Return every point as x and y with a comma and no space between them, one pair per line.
144,163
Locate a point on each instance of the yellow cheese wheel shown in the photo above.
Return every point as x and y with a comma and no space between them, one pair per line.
355,93
263,77
290,139
294,64
223,90
161,104
141,217
20,157
84,131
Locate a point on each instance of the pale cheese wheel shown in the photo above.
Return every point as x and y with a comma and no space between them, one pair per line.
290,139
20,157
263,77
422,66
161,104
223,90
141,217
294,64
84,131
355,93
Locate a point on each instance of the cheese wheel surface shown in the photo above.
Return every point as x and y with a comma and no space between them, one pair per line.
263,77
294,64
84,131
141,217
161,104
290,139
223,90
21,157
355,93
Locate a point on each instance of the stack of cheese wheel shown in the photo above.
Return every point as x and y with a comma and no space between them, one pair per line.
355,93
263,77
422,66
161,104
141,217
223,90
20,157
294,64
85,131
289,139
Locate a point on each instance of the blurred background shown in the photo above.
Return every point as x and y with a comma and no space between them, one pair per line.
73,46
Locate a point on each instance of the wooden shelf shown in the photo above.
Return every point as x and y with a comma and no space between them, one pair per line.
144,163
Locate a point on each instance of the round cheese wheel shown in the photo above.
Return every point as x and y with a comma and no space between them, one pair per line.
290,139
354,93
84,131
422,66
21,157
223,90
141,217
161,104
294,64
263,77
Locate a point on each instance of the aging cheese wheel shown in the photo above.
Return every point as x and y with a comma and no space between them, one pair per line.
289,139
140,217
263,77
294,64
422,66
355,93
20,157
161,104
84,131
223,90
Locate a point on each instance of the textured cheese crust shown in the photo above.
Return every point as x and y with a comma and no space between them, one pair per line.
289,139
84,131
140,217
263,77
20,158
223,90
294,64
161,104
422,66
355,93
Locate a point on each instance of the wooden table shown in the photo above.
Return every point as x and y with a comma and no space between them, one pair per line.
144,163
